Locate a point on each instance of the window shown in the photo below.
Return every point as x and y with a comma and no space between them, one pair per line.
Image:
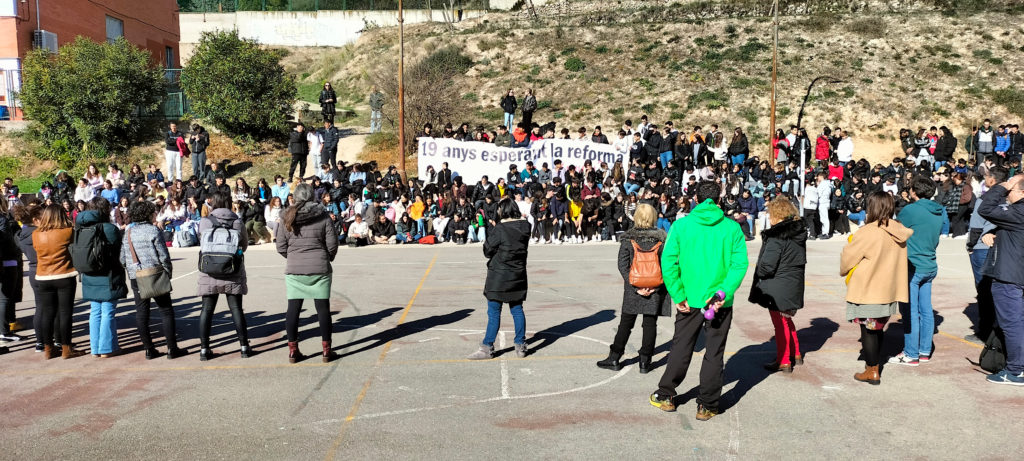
8,8
115,29
169,56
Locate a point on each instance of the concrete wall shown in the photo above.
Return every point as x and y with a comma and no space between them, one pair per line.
307,28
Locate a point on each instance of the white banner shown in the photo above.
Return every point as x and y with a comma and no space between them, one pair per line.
471,160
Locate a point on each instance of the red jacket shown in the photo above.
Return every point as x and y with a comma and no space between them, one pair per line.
821,150
835,172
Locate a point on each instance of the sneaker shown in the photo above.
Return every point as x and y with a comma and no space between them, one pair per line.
520,350
924,358
824,237
902,359
535,240
558,241
662,403
10,337
974,339
705,413
484,353
39,347
1005,377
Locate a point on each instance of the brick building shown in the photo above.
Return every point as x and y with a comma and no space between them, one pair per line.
24,24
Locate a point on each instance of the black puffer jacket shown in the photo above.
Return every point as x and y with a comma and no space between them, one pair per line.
779,275
658,303
506,249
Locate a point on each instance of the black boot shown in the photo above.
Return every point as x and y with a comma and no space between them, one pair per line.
611,363
645,364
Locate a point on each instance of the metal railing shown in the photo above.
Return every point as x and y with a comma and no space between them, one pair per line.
229,6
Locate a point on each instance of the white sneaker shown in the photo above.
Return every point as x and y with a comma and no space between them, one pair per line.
534,240
558,241
598,238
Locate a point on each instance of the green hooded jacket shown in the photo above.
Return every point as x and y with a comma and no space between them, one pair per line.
715,253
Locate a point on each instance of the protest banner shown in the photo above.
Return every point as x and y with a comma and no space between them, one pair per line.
471,159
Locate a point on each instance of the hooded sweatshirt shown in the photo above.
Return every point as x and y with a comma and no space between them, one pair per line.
924,217
716,257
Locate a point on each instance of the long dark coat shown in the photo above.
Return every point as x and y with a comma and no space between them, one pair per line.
110,286
658,303
779,274
506,247
328,107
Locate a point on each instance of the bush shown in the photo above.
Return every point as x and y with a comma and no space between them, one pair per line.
88,97
948,68
238,86
709,99
868,27
1011,98
646,84
575,64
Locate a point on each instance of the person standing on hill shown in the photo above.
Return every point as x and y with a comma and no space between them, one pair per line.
716,261
298,146
329,152
172,154
529,106
327,101
198,141
376,105
509,105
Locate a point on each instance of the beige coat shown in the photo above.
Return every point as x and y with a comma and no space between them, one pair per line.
879,255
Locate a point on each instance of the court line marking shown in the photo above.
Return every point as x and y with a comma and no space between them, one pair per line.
505,392
183,276
332,452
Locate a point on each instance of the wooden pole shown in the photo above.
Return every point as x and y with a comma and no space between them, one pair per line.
401,93
775,65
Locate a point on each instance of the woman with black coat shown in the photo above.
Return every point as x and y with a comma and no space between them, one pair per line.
779,280
506,248
327,101
648,302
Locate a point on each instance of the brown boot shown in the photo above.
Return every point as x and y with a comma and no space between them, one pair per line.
328,353
870,376
293,352
47,352
68,353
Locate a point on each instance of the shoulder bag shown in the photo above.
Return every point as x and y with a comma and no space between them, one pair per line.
153,281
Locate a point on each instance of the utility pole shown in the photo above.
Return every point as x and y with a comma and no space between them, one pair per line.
775,65
401,93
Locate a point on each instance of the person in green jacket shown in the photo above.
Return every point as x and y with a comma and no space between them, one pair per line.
716,260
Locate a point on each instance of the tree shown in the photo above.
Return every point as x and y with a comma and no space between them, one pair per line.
429,85
90,97
239,86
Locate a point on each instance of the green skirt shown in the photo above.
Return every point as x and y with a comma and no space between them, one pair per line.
308,286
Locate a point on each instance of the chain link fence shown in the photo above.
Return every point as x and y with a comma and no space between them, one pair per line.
228,6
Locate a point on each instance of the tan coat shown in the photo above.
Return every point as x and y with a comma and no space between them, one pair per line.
879,255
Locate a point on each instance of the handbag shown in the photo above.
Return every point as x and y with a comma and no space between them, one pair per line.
153,281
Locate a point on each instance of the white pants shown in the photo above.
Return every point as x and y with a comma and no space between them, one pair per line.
823,217
172,162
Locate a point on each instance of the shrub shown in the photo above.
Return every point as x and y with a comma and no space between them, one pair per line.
646,84
948,68
88,97
486,44
575,64
649,107
873,27
709,99
239,86
618,111
1011,98
601,49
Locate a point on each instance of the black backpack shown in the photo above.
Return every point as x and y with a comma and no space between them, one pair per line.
993,356
89,252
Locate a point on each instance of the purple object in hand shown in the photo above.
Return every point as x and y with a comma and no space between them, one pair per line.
708,311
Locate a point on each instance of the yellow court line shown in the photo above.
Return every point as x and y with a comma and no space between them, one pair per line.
383,353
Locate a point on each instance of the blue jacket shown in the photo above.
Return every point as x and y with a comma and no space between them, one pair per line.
111,286
1003,143
1003,263
924,217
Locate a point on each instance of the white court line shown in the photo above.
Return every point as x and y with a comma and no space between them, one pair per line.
505,393
183,276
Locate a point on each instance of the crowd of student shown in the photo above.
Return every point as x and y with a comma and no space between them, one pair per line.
676,174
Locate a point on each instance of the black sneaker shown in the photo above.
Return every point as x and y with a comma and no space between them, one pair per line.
39,347
824,237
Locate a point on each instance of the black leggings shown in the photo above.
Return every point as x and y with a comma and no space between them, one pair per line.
56,300
142,308
323,314
650,332
237,314
871,345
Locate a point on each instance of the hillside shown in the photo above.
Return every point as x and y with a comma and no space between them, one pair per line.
699,63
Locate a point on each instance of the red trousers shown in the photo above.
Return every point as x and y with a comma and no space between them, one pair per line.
786,344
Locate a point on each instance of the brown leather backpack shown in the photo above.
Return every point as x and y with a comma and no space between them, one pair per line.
645,272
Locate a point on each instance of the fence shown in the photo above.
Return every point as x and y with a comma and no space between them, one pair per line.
10,83
229,6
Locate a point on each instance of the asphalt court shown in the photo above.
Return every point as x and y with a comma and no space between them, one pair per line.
406,317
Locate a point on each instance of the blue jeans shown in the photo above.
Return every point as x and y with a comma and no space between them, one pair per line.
494,322
421,226
102,328
739,159
858,217
938,165
631,188
918,317
945,223
1009,300
977,263
664,224
401,238
375,121
509,119
665,158
478,235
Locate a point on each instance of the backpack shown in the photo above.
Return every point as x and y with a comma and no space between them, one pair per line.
185,238
993,356
89,249
428,240
218,250
645,272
